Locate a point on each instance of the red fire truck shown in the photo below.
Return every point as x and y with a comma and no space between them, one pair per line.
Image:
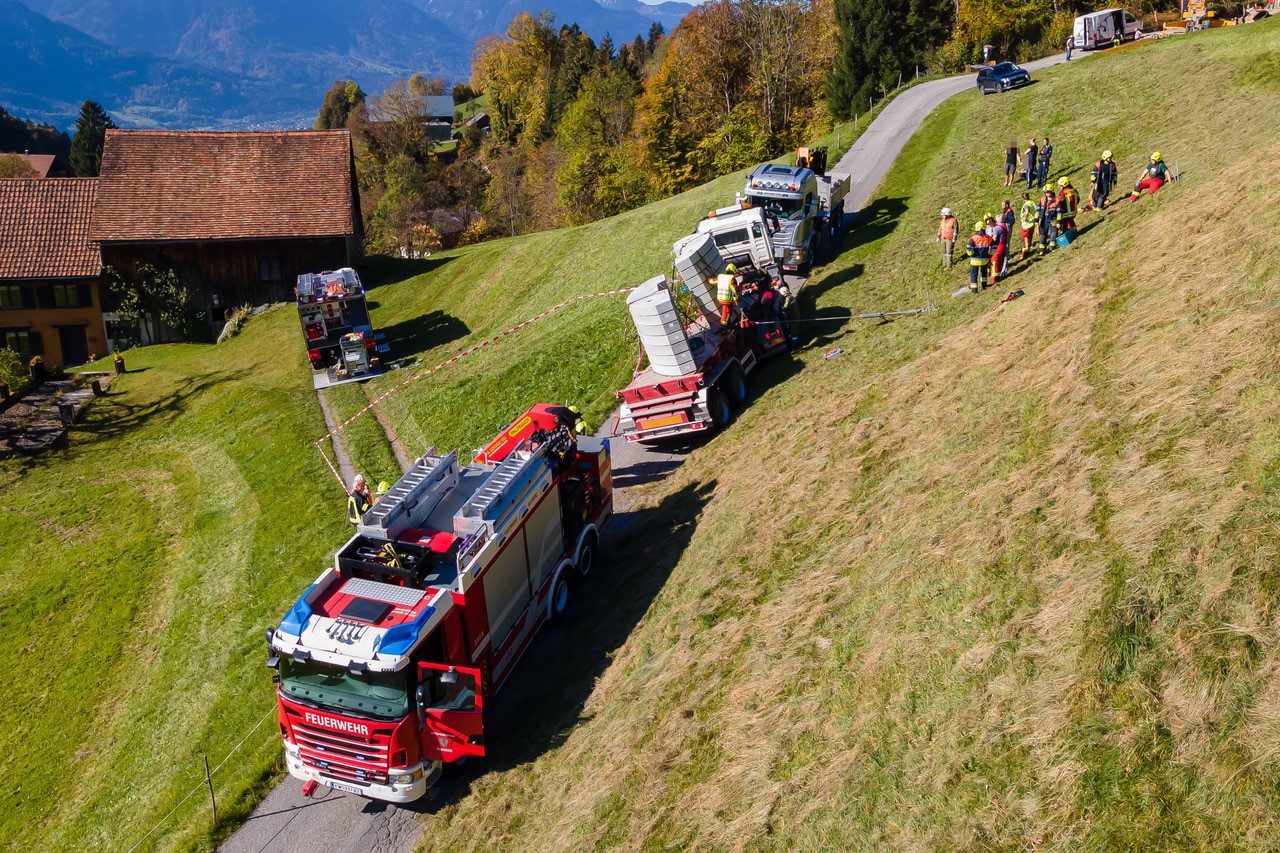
386,662
341,343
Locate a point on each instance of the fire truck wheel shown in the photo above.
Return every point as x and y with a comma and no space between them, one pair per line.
736,386
560,596
587,558
718,406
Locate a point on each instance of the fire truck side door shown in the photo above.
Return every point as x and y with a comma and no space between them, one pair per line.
453,713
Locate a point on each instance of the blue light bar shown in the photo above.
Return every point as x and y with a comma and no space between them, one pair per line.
296,619
401,638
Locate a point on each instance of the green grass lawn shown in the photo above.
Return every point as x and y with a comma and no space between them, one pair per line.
996,577
140,566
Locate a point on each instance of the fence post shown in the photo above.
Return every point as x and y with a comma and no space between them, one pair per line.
208,780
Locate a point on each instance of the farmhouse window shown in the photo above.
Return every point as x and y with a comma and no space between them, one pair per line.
21,341
70,295
10,296
270,269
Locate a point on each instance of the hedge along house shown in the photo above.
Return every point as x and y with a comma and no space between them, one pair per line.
237,216
50,271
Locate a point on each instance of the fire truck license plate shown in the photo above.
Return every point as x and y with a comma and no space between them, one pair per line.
653,423
350,789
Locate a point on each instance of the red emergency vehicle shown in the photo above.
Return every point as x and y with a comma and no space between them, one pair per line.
386,663
341,343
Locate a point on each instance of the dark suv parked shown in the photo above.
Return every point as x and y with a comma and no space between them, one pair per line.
1005,75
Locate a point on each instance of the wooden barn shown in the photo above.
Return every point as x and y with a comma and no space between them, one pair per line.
237,216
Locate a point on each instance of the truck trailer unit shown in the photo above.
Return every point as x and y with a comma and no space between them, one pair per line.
387,661
697,371
341,343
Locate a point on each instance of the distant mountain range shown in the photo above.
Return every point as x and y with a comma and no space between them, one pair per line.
254,63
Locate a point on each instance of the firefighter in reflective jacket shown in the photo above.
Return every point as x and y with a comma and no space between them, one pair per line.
358,501
979,252
727,293
1068,204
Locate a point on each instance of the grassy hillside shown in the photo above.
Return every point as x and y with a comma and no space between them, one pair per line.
137,570
998,577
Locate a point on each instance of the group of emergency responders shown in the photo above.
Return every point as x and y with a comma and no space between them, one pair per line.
1049,221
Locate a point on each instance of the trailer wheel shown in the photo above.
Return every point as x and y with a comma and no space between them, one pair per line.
736,386
718,406
587,558
560,596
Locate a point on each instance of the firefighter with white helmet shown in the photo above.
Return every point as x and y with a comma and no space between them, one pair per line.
947,231
358,499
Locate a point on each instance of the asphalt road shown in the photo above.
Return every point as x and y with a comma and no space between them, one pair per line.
868,161
287,822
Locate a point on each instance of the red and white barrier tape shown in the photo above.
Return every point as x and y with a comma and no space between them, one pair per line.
471,350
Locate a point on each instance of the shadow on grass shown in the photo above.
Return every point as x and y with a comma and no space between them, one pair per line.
117,417
878,219
422,333
544,700
825,325
814,289
382,269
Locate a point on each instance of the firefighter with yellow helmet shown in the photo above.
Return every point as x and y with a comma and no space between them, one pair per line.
1153,177
727,293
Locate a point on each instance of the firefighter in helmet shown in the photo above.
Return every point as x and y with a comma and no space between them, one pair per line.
727,293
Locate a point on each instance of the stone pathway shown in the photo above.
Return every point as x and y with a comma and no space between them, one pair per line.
33,424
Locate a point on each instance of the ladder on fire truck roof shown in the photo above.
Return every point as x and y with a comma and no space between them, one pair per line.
412,498
506,482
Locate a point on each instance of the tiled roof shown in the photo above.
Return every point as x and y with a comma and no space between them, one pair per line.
41,163
44,229
197,185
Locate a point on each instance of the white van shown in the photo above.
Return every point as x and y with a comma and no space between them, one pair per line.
1098,29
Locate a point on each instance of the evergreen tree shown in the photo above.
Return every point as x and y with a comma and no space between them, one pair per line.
656,32
343,97
91,132
877,41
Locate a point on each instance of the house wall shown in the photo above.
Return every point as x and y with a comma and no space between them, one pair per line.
40,322
228,273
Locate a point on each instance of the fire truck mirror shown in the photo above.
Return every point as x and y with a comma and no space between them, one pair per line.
421,696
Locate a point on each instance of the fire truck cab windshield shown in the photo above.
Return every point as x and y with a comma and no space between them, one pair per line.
373,694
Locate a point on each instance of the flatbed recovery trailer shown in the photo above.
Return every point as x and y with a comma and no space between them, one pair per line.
697,371
341,343
386,663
